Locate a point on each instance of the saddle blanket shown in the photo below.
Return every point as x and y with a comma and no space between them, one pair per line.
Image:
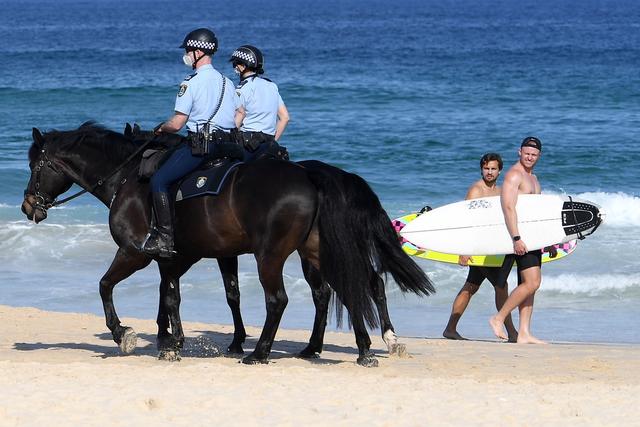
207,180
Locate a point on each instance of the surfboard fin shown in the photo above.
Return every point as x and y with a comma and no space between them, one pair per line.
426,208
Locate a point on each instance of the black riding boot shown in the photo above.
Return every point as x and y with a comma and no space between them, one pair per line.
160,240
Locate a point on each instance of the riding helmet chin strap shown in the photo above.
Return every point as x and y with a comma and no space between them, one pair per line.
195,62
247,74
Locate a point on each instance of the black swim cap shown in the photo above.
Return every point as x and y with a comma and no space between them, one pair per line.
531,141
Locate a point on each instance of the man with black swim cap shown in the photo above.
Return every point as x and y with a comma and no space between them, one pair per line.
521,180
531,141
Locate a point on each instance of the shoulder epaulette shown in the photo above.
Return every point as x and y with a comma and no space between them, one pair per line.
264,78
189,77
242,83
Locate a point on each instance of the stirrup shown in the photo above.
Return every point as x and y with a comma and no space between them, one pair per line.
166,252
153,245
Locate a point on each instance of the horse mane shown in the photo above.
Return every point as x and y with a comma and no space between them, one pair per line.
114,145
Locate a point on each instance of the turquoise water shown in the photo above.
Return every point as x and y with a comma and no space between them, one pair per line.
407,94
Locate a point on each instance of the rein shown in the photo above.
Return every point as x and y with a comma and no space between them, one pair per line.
41,202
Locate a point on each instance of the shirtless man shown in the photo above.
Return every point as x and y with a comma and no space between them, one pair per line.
521,180
490,167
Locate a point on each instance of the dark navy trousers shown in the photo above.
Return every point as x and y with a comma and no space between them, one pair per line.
178,165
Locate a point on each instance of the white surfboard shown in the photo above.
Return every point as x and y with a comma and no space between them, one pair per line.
476,226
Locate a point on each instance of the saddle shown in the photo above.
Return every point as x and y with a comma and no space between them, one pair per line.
206,180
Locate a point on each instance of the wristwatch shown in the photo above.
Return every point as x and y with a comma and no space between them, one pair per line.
516,238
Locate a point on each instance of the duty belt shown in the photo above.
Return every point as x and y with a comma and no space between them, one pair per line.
214,135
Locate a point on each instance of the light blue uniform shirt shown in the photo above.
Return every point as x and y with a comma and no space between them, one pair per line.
198,97
260,99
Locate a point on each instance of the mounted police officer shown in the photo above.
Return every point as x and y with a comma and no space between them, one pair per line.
206,104
261,114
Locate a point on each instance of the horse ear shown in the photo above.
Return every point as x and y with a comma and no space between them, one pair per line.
136,129
128,132
37,137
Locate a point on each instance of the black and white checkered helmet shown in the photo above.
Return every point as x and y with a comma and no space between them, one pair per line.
250,56
202,39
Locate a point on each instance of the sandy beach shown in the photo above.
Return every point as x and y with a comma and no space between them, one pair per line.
63,369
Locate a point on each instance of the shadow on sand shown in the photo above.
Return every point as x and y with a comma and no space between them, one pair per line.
206,344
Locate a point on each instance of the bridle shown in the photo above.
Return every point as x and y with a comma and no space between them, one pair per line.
44,201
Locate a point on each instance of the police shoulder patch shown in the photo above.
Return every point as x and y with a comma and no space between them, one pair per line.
183,89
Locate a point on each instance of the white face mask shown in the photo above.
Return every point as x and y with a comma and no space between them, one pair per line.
236,70
187,59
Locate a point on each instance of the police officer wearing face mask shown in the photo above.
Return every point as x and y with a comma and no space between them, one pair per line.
201,94
261,114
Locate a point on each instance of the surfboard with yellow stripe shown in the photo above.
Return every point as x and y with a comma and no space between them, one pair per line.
563,249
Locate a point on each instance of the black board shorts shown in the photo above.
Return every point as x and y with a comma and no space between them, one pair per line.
496,275
528,260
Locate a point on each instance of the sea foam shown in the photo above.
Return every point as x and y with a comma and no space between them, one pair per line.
591,284
621,209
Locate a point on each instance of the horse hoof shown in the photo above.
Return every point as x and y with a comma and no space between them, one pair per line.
129,341
391,340
402,350
398,350
304,355
393,349
235,350
368,361
308,353
251,360
169,356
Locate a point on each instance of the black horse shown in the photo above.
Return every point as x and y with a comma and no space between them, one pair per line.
269,208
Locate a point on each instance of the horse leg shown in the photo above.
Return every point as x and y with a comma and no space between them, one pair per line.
270,272
229,270
388,333
169,345
124,264
366,357
321,293
163,317
164,339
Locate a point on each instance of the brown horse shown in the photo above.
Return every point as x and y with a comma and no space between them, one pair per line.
270,208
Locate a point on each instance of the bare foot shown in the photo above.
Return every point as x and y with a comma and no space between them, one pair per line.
529,339
452,335
497,327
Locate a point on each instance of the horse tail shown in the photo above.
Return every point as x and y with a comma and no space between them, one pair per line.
357,241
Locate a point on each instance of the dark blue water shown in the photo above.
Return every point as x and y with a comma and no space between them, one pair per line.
408,94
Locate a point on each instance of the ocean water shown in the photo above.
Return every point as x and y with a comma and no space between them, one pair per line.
408,94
